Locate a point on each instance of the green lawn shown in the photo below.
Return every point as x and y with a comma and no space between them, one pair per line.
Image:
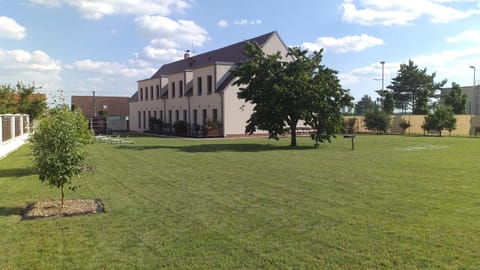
394,202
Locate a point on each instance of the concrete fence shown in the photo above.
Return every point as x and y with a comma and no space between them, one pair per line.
14,132
467,125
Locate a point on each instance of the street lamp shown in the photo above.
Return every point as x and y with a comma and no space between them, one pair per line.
474,90
473,67
381,92
383,72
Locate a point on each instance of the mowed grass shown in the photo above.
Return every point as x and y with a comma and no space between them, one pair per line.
394,202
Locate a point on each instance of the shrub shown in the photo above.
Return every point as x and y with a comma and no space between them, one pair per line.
180,127
404,125
349,125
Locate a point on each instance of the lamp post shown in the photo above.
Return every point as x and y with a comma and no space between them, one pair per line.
474,90
383,73
381,92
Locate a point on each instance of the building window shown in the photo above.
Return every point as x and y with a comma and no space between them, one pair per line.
185,115
195,117
177,115
173,90
144,119
149,118
151,92
180,88
204,115
199,86
158,91
146,93
139,120
209,84
161,115
141,94
155,114
215,115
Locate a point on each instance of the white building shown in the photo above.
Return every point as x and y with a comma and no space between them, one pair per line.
196,89
473,98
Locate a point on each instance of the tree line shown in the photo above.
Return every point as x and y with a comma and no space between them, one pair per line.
414,90
21,99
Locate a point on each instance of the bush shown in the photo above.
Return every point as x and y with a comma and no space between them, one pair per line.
180,127
404,125
378,121
349,125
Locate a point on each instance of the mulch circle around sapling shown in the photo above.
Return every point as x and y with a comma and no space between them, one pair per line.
54,208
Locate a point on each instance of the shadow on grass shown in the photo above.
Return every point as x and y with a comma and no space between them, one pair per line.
10,211
19,172
207,148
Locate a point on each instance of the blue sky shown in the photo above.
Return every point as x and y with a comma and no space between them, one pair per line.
105,46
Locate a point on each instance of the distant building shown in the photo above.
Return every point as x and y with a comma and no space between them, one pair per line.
197,90
473,98
114,109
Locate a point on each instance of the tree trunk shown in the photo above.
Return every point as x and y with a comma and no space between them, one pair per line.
63,194
293,135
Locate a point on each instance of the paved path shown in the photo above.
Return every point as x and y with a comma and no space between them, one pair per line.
8,147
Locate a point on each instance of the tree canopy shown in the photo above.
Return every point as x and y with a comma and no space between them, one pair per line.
456,99
377,120
364,105
412,88
21,99
57,146
285,91
442,118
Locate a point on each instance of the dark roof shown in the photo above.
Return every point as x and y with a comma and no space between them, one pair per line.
134,97
115,105
227,82
230,54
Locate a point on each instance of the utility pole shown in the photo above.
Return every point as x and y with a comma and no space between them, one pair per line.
475,94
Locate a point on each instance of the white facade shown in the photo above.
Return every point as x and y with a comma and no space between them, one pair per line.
197,89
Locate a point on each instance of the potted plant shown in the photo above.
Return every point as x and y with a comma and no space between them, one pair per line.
211,128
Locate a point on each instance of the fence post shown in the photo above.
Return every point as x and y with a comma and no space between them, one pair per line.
12,126
27,118
21,125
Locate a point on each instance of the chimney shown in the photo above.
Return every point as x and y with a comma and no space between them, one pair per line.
187,54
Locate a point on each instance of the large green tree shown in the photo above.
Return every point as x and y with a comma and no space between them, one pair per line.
456,99
365,104
388,103
287,90
57,145
412,88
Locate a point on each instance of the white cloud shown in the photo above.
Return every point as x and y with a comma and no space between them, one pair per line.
9,28
344,44
466,36
382,12
222,24
111,69
182,32
34,67
247,22
453,65
162,54
97,9
176,36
